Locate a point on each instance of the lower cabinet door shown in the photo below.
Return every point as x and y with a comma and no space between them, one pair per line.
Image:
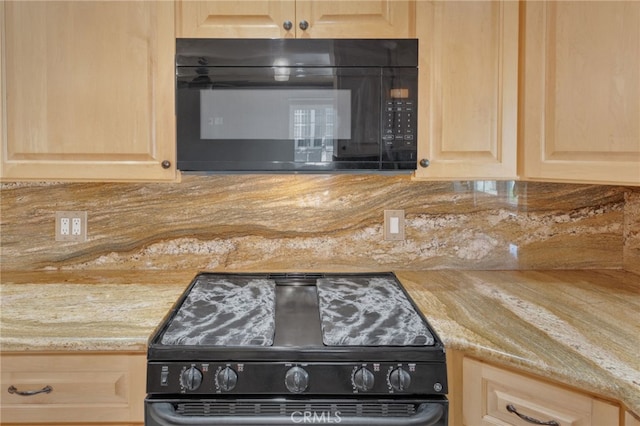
74,388
493,396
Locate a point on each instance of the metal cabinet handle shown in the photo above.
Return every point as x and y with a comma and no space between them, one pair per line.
304,25
46,389
512,409
287,25
425,163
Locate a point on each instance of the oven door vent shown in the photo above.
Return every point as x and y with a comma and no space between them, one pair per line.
247,408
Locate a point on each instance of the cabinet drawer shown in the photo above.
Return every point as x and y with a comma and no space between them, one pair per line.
83,388
489,390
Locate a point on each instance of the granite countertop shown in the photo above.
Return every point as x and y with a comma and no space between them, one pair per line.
580,328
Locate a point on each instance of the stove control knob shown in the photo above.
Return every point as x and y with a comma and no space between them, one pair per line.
226,379
296,380
363,379
191,378
399,379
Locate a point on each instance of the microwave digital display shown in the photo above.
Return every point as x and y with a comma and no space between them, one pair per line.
399,93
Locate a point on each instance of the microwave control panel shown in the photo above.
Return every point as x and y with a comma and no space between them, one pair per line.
399,123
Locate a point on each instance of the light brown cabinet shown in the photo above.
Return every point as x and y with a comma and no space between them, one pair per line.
631,420
284,19
580,109
87,90
493,396
83,388
468,89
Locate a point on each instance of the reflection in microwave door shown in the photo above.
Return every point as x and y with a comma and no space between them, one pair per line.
316,150
275,114
215,121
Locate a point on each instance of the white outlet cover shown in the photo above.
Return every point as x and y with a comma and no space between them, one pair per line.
394,225
71,226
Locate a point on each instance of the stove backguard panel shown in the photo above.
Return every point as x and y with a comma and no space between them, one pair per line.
369,311
225,311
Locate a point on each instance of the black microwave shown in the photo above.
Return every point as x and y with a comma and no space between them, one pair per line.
296,105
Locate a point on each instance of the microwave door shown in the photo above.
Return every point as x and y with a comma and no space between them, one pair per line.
275,118
364,144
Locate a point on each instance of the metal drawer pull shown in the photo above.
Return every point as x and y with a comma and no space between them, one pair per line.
512,409
46,389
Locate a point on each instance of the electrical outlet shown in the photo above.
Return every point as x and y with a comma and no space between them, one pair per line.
64,226
394,225
71,226
76,226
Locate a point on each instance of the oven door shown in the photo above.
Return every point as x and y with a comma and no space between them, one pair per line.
286,412
273,119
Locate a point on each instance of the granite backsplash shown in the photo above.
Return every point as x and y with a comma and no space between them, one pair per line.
322,222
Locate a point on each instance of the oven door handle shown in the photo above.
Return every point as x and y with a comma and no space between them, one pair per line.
163,414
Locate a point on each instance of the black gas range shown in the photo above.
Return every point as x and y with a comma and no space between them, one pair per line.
288,348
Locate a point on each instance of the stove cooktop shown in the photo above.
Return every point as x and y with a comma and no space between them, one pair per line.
260,328
280,316
223,310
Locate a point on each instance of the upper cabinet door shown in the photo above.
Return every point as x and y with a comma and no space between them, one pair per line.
295,18
356,19
236,19
87,90
468,89
581,97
